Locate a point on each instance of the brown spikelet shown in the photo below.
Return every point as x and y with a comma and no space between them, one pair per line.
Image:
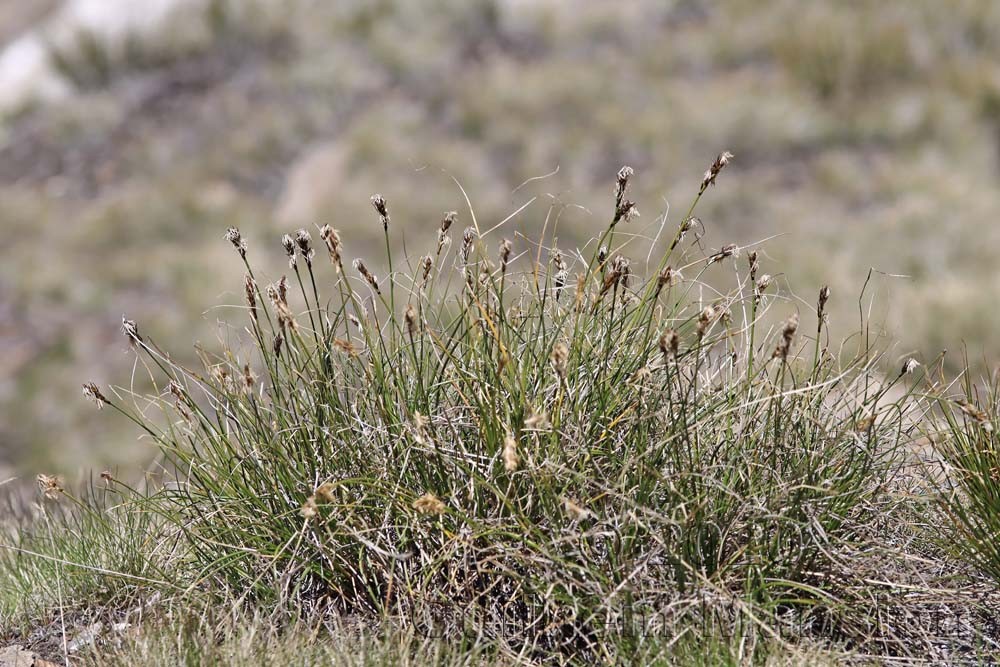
250,290
131,331
279,340
787,334
233,236
92,392
50,486
369,277
380,206
560,359
249,379
824,296
347,347
665,279
713,171
331,237
761,286
289,245
303,240
728,250
468,237
705,319
670,343
427,264
511,460
505,248
410,316
624,208
446,222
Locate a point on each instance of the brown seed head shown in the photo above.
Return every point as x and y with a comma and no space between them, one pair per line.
289,245
410,316
91,391
505,247
468,236
560,359
624,209
427,263
370,277
378,203
713,171
824,296
233,236
728,250
250,290
131,331
303,239
705,319
787,334
511,460
670,343
331,237
50,486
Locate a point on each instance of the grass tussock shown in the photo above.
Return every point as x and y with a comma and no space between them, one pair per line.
581,452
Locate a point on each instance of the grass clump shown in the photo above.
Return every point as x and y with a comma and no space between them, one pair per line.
533,445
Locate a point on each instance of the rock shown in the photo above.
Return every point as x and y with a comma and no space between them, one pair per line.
15,656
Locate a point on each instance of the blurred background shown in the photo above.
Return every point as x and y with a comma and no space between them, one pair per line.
133,132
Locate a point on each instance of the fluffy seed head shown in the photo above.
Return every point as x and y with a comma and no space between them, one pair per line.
574,511
429,505
728,250
309,509
326,492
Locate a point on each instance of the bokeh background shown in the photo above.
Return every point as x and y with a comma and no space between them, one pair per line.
133,132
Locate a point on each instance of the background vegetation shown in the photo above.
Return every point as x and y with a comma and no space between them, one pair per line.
867,136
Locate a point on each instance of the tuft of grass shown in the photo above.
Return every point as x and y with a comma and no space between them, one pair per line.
528,443
970,482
